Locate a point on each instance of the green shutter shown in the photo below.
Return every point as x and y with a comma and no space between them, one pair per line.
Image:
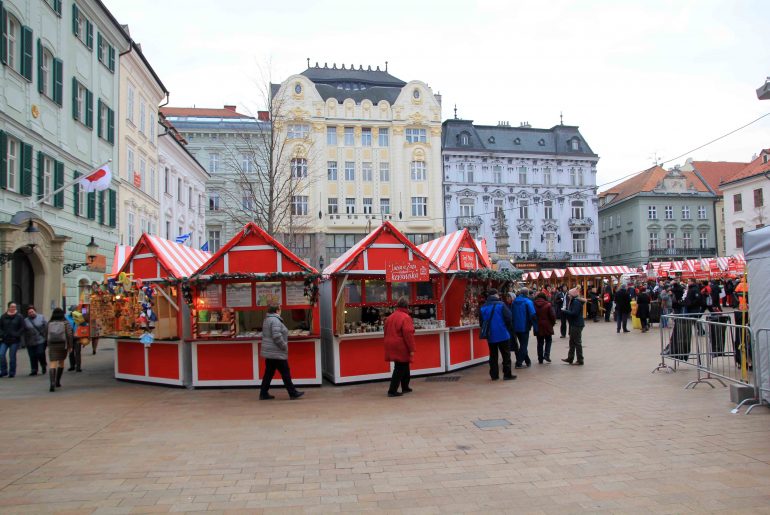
4,38
3,160
40,174
99,118
75,113
91,205
58,81
58,182
100,210
111,51
26,170
89,35
40,78
110,125
57,6
99,47
26,53
76,193
113,208
75,19
89,109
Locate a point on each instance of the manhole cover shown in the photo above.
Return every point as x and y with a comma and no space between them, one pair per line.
442,379
495,422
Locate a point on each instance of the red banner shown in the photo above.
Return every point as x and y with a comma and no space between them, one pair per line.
467,261
137,180
407,272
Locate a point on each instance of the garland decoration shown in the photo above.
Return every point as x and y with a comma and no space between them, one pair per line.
487,274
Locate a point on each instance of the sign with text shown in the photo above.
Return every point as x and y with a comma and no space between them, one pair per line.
407,272
522,265
467,261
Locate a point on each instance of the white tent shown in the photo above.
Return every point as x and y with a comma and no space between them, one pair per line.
756,249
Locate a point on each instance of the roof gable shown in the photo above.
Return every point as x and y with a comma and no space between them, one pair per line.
455,252
758,166
650,181
176,261
717,172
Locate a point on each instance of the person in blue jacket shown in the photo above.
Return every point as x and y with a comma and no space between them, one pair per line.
499,316
524,318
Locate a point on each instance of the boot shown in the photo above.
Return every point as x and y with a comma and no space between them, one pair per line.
59,372
52,377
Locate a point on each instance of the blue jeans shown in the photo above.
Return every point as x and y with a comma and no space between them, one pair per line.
5,347
522,356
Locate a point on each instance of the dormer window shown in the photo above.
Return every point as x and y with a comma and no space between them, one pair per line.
465,139
541,142
575,144
517,141
764,159
491,139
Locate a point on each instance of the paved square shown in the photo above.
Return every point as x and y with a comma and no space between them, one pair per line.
606,437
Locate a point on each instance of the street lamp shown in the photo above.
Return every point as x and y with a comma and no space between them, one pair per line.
91,250
30,231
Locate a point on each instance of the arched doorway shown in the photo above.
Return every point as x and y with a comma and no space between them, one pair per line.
23,279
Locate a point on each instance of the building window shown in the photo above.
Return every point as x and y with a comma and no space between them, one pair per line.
618,221
498,207
572,177
686,240
577,209
670,240
610,220
130,228
214,201
189,197
653,240
464,140
350,205
702,212
82,109
366,171
142,173
213,162
142,113
384,172
299,168
215,241
419,239
652,213
522,175
45,68
331,170
416,135
298,131
385,206
153,180
668,212
349,137
737,203
247,162
12,41
523,209
367,205
247,201
47,179
758,199
525,243
299,205
82,28
419,206
579,243
331,136
350,171
105,124
332,206
179,189
130,164
419,172
703,240
12,164
685,212
105,53
383,138
467,207
130,104
168,230
366,137
497,174
547,176
166,181
469,173
151,118
739,237
548,209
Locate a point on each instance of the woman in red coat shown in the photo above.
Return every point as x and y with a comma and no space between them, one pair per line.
399,347
545,322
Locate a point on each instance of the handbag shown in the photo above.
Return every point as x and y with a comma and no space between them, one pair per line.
486,325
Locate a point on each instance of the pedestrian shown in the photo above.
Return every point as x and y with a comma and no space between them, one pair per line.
607,301
593,304
34,339
59,337
622,308
399,347
75,356
710,293
729,293
666,305
677,297
546,319
576,324
560,302
693,299
275,350
12,330
524,319
495,318
643,308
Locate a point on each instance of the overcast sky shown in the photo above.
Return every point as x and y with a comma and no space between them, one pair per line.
639,78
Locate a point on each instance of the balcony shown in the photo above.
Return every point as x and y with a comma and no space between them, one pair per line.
683,252
582,256
471,222
580,223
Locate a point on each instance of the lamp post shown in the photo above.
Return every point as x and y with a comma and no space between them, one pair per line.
91,249
30,231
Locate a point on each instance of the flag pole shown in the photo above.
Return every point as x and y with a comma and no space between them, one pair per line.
35,203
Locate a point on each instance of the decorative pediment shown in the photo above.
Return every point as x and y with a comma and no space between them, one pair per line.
467,193
550,227
498,194
523,194
525,226
547,195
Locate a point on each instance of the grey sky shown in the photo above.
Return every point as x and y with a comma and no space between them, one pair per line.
639,78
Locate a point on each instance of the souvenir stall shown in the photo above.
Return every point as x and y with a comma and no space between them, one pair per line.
466,278
361,289
142,308
585,276
229,296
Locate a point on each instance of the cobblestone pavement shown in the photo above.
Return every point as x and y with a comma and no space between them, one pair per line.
606,437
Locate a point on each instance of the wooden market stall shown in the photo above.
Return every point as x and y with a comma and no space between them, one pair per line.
145,299
460,259
581,276
230,295
361,289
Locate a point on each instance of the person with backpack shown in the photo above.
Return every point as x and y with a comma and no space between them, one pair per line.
546,319
34,339
11,332
60,338
494,319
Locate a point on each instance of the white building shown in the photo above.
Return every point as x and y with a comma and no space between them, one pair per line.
530,192
744,201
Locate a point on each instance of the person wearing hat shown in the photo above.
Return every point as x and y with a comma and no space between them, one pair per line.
576,324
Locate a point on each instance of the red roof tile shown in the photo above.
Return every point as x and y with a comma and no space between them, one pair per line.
202,112
756,167
647,181
717,172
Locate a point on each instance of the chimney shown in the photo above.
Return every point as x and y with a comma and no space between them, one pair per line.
230,108
263,116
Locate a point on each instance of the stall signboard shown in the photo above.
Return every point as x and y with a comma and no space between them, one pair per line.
295,294
210,296
407,271
239,295
467,261
268,294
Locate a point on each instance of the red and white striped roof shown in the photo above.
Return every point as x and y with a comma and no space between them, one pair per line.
557,273
121,253
481,244
454,252
370,255
739,257
155,258
593,271
723,263
254,251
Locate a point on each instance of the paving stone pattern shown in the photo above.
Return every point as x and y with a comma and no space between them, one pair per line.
605,437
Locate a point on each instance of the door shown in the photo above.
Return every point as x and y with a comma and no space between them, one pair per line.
23,280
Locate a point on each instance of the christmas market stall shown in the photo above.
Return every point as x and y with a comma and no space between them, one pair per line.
361,289
229,297
465,279
142,307
585,277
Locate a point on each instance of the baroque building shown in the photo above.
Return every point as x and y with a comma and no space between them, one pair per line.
744,199
530,192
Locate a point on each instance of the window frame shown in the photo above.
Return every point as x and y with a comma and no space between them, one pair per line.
384,205
367,205
331,136
366,136
298,167
299,205
297,131
332,173
420,207
418,172
738,203
367,174
350,205
332,206
761,196
652,212
416,135
383,135
350,171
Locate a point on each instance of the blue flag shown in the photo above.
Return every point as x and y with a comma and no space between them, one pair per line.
205,247
183,237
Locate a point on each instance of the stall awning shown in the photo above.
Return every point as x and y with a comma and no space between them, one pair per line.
454,252
155,258
481,244
121,253
595,271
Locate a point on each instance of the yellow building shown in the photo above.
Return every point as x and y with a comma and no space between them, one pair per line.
141,91
367,146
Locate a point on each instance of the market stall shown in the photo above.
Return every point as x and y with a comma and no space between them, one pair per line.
229,296
584,277
463,285
143,309
361,289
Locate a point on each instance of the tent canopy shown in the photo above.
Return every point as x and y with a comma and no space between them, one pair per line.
454,252
596,271
156,259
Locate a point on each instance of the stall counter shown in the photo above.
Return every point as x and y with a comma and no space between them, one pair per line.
163,362
464,347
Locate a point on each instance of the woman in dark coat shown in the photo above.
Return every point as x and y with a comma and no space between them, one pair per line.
399,347
643,308
60,338
546,319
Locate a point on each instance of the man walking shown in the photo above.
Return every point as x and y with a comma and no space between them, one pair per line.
523,319
11,332
560,303
622,308
495,318
576,324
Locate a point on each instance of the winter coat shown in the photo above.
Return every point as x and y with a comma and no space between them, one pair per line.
501,319
622,301
558,302
643,305
523,311
275,338
575,313
677,292
34,330
11,328
693,299
399,337
545,317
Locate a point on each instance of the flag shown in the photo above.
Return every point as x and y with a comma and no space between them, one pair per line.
183,237
205,247
98,180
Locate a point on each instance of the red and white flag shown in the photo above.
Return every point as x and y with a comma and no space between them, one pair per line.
98,180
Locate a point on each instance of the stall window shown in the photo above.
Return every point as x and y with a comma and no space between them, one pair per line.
399,290
424,291
353,292
376,291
